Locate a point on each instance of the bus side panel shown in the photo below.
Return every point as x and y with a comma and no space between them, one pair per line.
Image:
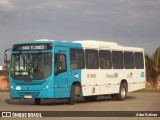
107,81
62,92
61,81
134,87
139,81
90,81
64,81
130,76
140,76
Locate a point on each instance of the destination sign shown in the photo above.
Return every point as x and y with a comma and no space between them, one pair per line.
31,47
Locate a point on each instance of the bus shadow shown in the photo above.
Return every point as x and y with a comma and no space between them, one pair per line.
55,102
130,97
19,101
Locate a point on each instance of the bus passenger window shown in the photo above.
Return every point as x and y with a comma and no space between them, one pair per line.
139,62
128,60
117,59
105,59
60,63
77,58
92,61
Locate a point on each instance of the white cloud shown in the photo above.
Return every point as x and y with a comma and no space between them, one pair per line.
7,4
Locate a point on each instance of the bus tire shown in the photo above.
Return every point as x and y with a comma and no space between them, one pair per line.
122,92
90,98
72,98
37,101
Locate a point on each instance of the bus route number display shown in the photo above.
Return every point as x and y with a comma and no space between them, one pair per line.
27,47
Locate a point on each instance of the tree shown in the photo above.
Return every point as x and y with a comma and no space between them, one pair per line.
153,67
5,72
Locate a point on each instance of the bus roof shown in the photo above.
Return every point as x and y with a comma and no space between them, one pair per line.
96,42
93,44
106,45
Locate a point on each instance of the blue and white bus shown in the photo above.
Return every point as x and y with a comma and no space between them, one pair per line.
88,68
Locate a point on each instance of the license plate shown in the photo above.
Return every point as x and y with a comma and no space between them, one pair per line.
27,96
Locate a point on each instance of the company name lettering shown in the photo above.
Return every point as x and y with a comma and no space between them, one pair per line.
115,75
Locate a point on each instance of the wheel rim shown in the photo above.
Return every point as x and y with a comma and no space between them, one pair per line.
123,92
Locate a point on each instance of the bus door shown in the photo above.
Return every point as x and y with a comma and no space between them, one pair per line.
61,72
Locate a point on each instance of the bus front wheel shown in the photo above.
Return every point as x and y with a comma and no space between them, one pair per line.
72,98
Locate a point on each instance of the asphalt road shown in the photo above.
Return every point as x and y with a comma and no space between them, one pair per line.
134,102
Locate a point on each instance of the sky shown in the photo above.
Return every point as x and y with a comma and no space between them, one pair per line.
134,23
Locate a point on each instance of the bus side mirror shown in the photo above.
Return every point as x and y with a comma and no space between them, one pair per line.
6,56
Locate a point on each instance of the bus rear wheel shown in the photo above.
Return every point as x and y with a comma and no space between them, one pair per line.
37,101
122,92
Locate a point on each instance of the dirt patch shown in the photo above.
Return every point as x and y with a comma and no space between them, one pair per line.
3,83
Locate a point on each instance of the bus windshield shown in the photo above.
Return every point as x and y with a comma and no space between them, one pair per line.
31,66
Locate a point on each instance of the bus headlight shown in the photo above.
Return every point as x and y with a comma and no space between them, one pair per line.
18,88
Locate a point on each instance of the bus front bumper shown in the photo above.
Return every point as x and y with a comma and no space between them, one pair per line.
17,94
